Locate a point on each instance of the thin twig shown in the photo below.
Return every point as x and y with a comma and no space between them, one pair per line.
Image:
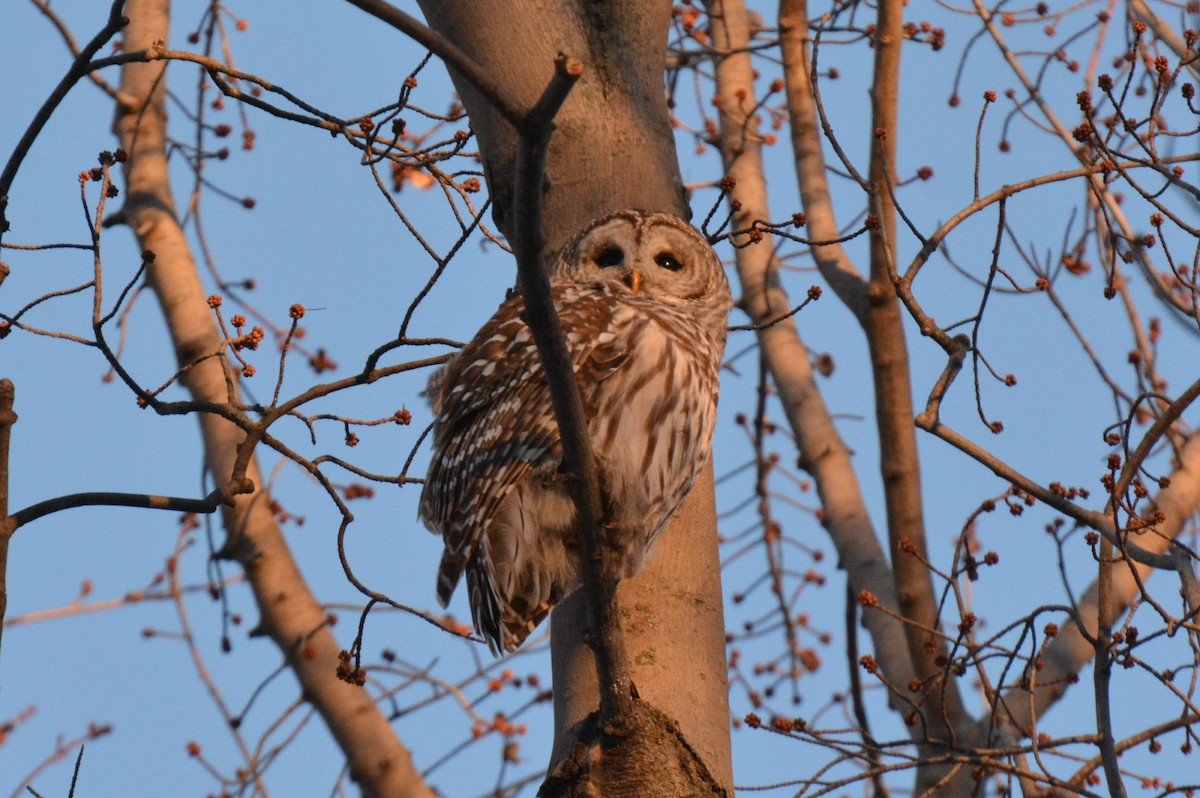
7,524
79,68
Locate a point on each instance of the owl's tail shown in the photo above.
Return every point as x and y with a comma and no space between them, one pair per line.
449,572
504,621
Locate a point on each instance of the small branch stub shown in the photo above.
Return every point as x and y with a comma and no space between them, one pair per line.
8,418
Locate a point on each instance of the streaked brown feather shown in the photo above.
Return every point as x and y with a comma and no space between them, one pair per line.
647,366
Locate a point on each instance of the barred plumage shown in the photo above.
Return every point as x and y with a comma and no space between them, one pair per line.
643,301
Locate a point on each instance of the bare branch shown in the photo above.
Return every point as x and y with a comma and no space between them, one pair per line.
289,611
450,53
147,501
79,68
7,524
579,462
1073,647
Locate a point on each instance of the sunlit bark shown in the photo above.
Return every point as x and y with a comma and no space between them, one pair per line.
613,149
289,614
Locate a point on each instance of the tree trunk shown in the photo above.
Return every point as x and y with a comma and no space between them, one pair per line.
946,725
289,613
613,149
822,452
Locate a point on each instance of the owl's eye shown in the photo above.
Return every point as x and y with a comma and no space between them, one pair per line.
610,256
668,261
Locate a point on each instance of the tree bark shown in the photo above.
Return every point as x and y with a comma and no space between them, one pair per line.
832,260
945,722
613,149
289,613
822,451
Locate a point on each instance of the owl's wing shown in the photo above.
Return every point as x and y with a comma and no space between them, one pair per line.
495,421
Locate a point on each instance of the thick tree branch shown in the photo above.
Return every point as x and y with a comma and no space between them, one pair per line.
822,451
946,720
290,614
835,264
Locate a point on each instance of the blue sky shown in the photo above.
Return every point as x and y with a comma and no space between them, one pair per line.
322,236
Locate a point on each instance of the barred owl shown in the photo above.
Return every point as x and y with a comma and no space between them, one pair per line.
643,301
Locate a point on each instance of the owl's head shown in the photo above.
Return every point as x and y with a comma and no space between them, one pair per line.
653,254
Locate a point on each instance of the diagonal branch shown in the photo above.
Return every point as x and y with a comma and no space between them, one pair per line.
1073,647
449,52
579,462
289,613
823,452
79,68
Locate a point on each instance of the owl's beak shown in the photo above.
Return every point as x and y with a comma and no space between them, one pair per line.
634,281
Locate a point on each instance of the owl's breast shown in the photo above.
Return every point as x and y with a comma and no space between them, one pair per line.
652,421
